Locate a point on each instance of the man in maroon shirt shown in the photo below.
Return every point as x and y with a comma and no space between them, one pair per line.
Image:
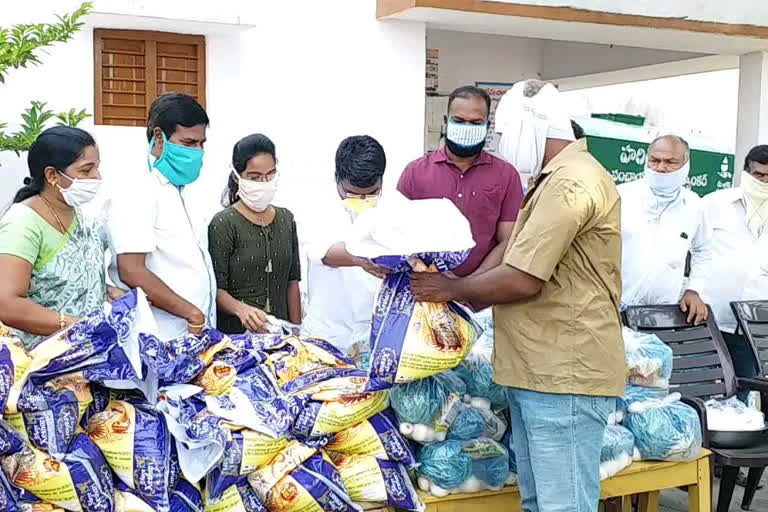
486,189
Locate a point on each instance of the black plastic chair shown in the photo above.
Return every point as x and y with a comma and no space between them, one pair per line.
702,369
752,317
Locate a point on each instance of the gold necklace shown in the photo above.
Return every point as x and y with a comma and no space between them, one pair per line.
55,215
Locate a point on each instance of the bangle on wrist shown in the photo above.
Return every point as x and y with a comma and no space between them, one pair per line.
193,326
62,321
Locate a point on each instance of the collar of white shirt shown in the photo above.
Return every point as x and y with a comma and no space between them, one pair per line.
734,195
160,177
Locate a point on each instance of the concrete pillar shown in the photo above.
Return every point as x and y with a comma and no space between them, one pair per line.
752,127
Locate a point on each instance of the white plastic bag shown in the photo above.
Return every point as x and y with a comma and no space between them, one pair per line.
649,360
733,415
399,226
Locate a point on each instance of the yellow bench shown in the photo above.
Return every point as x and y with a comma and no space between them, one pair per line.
645,479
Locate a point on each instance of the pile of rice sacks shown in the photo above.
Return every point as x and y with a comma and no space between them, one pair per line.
105,417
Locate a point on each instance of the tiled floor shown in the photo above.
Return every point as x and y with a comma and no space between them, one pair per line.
677,501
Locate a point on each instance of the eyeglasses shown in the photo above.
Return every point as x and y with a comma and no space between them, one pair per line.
349,195
261,178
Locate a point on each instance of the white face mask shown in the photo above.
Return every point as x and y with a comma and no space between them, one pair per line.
80,191
256,195
667,184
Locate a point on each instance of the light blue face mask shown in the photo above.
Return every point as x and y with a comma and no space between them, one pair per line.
179,164
667,184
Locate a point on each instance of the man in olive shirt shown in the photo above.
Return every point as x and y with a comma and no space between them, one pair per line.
557,326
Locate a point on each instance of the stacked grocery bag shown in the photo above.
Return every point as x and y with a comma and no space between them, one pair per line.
649,422
443,396
458,418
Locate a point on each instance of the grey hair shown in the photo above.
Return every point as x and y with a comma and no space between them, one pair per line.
675,137
533,87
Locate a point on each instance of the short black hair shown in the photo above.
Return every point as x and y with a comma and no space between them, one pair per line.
470,91
173,109
361,161
578,131
757,154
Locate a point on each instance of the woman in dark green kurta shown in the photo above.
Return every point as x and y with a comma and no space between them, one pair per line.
254,246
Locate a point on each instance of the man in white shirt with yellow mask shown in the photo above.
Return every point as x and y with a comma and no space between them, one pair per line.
661,222
341,288
737,218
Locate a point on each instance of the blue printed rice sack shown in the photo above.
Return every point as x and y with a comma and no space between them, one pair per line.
137,445
181,360
375,481
81,481
378,436
314,486
412,340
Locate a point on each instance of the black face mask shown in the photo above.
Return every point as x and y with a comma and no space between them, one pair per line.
464,151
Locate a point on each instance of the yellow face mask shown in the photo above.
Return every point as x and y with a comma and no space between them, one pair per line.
356,205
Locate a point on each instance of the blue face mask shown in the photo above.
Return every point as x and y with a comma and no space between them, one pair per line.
179,164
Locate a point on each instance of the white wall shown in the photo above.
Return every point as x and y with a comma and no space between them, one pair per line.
308,75
220,11
703,105
466,58
750,12
561,59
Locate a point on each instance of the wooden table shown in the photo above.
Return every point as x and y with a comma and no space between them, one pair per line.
645,479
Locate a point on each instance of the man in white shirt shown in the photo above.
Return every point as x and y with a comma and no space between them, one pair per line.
341,287
661,221
154,243
737,218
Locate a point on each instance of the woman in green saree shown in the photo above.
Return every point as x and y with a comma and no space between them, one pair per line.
51,258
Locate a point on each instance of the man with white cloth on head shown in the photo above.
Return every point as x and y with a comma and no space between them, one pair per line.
556,292
661,221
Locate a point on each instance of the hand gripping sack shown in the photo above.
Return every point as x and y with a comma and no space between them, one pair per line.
411,340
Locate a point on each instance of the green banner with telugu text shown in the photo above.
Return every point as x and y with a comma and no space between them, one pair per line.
625,161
